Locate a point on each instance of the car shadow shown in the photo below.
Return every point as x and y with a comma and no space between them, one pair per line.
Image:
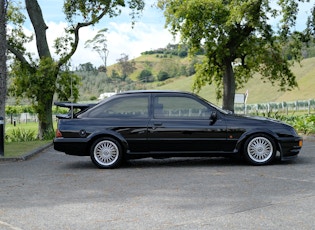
207,161
181,162
184,162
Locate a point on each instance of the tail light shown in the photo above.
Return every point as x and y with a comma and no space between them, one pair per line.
58,133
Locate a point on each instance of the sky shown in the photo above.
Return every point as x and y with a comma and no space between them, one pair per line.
148,33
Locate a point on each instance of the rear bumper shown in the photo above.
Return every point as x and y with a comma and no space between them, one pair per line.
72,146
290,147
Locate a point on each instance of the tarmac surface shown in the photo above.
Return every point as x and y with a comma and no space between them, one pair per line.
51,190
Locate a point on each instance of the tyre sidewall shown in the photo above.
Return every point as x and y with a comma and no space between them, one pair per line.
253,162
115,164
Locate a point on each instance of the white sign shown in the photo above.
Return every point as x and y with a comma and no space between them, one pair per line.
239,98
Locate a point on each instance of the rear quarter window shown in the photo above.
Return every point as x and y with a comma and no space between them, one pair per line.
122,107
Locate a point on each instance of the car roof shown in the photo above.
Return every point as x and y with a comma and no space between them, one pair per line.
152,91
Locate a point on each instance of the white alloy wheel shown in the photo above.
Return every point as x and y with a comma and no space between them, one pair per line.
260,150
106,153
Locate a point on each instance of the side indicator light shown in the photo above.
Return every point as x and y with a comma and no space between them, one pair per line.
300,143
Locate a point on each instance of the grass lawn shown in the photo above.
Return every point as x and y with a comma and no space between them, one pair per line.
17,149
32,126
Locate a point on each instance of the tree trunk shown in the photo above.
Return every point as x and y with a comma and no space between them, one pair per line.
3,57
35,13
45,126
228,86
44,103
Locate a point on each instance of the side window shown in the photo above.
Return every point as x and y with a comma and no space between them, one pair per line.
124,107
179,108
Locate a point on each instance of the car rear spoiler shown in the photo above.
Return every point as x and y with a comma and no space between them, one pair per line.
74,109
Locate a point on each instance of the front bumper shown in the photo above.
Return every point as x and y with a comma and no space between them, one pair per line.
290,147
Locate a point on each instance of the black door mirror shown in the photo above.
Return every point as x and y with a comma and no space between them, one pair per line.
213,117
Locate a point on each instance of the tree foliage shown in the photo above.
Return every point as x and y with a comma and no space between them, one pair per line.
145,76
126,67
310,30
162,76
99,44
239,40
86,67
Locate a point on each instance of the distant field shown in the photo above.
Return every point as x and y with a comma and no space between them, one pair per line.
259,92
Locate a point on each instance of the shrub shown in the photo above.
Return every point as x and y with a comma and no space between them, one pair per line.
146,76
21,135
162,76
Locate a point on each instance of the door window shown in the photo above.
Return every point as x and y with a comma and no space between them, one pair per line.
179,107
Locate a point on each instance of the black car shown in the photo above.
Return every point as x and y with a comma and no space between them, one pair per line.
160,124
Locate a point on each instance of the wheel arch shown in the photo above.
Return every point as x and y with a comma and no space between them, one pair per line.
111,134
241,141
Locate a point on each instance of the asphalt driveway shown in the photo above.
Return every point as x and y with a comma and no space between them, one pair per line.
55,191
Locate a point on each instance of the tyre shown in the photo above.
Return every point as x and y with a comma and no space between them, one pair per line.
260,149
106,153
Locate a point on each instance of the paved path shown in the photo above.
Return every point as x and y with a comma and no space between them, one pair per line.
56,191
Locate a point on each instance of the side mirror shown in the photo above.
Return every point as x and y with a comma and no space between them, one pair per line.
213,117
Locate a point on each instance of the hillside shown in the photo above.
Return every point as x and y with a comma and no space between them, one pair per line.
258,93
262,92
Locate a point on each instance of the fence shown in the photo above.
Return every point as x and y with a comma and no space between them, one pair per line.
307,106
21,118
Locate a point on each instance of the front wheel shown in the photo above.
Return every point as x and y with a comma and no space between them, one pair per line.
106,153
260,149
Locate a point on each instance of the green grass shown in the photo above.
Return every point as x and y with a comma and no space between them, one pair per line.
17,149
259,92
33,126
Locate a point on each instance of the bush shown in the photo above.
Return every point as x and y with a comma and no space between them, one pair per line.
304,124
162,76
21,135
146,76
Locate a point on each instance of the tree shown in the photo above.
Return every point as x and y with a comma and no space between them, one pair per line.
145,76
99,44
162,76
115,75
86,67
127,67
170,66
310,30
38,79
237,31
3,57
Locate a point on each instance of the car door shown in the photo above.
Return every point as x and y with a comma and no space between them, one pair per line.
181,123
127,115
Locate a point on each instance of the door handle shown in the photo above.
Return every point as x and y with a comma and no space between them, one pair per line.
156,124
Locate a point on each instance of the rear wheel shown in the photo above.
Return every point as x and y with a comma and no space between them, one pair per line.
260,149
106,153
